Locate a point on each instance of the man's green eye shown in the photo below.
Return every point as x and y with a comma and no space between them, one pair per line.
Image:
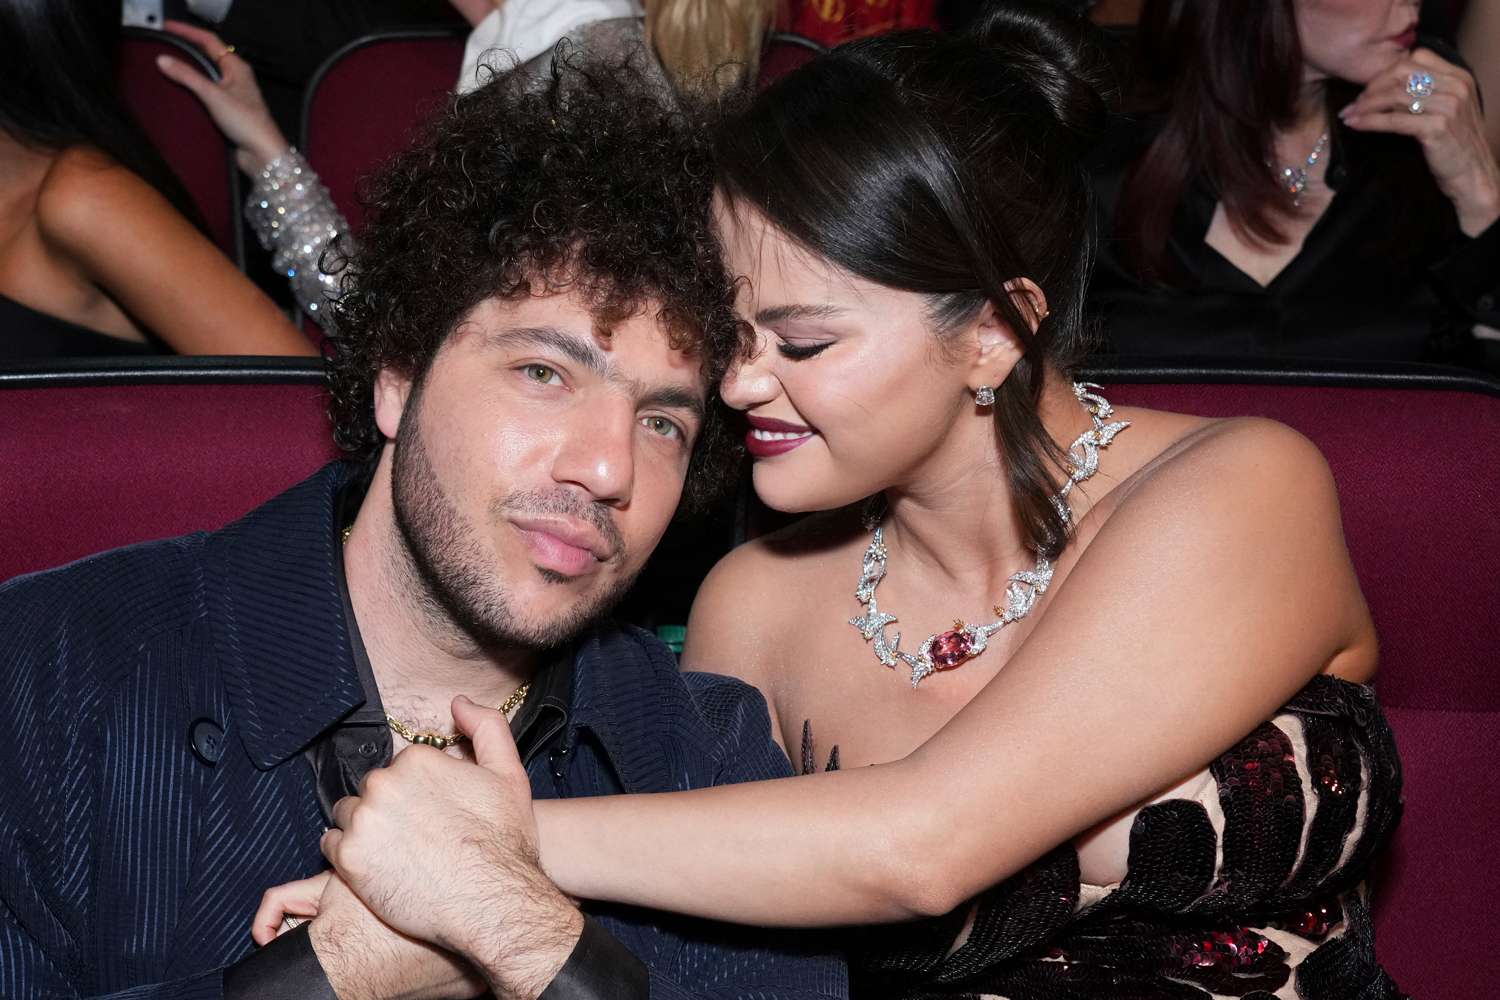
541,373
662,426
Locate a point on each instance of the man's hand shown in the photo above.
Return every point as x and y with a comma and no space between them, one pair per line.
366,960
446,851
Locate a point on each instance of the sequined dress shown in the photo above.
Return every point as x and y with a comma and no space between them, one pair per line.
1255,889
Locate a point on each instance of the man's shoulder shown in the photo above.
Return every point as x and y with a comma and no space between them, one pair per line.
115,600
640,662
718,728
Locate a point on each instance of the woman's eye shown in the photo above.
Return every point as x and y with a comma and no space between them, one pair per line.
663,427
801,352
543,374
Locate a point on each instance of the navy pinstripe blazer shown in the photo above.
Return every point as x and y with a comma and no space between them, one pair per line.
133,850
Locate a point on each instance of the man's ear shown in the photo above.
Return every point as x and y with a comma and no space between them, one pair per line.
999,346
392,390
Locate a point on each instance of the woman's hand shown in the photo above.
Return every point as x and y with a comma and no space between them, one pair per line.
1450,128
296,901
234,101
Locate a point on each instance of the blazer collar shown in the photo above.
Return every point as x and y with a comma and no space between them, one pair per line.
277,617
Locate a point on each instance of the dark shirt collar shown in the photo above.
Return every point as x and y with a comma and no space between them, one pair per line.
362,741
279,631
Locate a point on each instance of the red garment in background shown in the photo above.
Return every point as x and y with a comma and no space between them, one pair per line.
830,22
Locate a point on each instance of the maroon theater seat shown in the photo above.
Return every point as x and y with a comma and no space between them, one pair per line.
181,129
102,456
366,101
783,53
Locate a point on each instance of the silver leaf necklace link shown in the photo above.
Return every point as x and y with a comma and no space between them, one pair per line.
961,643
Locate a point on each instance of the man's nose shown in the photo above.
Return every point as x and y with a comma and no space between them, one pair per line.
597,452
750,381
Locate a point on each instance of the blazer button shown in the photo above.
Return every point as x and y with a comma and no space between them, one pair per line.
207,739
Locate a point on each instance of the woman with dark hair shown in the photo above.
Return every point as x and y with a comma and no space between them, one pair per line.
1145,761
1314,183
97,253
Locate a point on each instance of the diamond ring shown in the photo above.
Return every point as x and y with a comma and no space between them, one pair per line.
1419,85
1415,107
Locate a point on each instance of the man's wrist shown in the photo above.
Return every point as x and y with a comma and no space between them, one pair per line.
519,950
286,969
339,967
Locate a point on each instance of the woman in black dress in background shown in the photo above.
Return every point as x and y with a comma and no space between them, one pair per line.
1314,183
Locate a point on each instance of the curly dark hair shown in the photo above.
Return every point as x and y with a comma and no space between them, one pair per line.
588,179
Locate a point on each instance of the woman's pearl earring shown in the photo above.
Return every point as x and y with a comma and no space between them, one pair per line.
984,396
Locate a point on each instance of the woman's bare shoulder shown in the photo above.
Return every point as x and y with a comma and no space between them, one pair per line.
1243,453
758,593
1248,489
82,187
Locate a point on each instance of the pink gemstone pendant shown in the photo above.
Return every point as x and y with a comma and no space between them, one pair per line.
950,649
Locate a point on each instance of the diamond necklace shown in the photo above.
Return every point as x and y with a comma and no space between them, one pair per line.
946,650
1294,178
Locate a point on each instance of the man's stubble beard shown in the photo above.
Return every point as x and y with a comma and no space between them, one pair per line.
455,581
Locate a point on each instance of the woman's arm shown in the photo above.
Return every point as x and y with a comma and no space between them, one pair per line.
1213,594
289,210
130,242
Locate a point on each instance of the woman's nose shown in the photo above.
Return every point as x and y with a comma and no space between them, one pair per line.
750,381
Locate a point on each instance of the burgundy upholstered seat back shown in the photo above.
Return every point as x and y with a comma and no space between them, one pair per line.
92,467
782,54
366,102
1418,472
181,130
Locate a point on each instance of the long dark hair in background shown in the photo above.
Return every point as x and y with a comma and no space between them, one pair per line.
947,166
57,88
1228,73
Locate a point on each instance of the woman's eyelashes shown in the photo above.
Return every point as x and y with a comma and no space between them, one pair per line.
801,352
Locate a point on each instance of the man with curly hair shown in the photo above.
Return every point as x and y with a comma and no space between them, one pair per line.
524,346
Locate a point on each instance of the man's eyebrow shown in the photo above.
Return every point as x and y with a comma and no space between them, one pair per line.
675,397
573,345
583,349
776,314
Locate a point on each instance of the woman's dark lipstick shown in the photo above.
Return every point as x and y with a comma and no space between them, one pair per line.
1407,38
769,436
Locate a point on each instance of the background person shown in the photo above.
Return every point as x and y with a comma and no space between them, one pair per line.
292,214
97,253
1316,184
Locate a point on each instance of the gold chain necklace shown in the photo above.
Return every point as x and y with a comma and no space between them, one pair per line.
441,741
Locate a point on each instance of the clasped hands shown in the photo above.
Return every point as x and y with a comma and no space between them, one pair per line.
436,888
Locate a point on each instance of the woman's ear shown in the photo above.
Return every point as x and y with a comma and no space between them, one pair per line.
1000,348
392,390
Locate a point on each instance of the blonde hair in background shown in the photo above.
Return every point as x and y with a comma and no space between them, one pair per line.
709,45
